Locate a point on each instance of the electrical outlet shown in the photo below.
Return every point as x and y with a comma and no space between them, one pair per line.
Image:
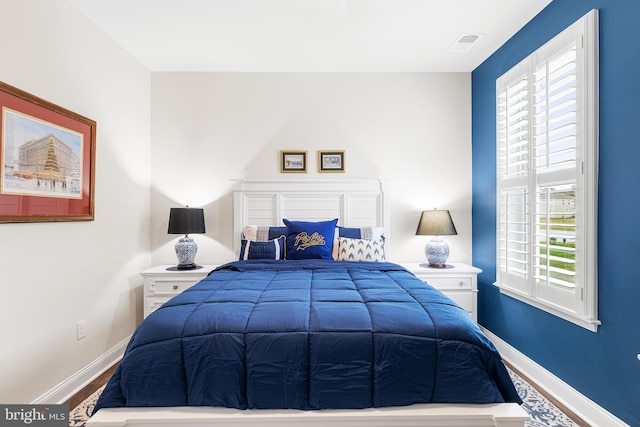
81,329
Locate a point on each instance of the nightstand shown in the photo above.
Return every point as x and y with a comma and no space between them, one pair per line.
163,282
457,281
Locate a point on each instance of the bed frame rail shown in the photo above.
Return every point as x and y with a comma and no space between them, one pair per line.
422,415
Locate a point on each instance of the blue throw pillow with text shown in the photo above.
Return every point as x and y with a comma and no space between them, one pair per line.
310,240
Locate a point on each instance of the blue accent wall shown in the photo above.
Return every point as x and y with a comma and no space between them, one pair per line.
603,365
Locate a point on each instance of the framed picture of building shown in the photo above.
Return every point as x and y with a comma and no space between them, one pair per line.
47,160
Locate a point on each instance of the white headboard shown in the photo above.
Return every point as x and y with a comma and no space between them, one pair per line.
356,203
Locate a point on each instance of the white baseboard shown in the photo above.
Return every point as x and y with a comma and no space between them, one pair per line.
67,388
586,409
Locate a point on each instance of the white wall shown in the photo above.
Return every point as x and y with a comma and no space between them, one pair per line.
209,128
54,274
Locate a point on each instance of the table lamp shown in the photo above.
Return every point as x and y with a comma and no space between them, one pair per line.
186,221
436,223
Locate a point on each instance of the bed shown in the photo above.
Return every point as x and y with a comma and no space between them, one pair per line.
319,337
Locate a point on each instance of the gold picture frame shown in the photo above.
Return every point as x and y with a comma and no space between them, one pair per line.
331,161
293,161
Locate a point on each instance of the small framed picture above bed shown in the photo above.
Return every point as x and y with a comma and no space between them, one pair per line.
293,161
331,161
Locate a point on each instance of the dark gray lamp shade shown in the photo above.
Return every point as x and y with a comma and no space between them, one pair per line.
436,223
186,221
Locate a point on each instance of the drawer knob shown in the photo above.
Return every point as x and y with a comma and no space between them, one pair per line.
461,284
175,287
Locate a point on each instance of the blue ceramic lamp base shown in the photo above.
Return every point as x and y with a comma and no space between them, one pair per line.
186,250
437,252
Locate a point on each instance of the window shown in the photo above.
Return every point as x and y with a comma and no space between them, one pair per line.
547,176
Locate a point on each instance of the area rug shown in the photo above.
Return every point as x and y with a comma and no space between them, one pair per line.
543,412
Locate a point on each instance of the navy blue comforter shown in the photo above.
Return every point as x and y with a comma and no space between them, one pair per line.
308,335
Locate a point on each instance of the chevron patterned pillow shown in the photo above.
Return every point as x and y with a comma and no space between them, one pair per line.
361,249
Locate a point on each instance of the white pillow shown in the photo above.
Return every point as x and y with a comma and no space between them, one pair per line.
261,233
371,250
356,232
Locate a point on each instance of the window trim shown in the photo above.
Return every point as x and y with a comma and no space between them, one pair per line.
587,164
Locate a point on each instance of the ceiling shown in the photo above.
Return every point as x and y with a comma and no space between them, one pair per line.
309,35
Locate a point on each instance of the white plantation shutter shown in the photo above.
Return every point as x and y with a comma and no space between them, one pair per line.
513,243
513,111
513,128
546,176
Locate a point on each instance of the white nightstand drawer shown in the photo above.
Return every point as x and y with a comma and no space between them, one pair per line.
457,281
443,283
154,303
463,299
163,282
169,287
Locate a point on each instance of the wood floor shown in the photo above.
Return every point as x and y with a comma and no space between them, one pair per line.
91,388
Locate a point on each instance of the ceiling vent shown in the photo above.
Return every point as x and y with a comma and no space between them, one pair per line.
464,42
